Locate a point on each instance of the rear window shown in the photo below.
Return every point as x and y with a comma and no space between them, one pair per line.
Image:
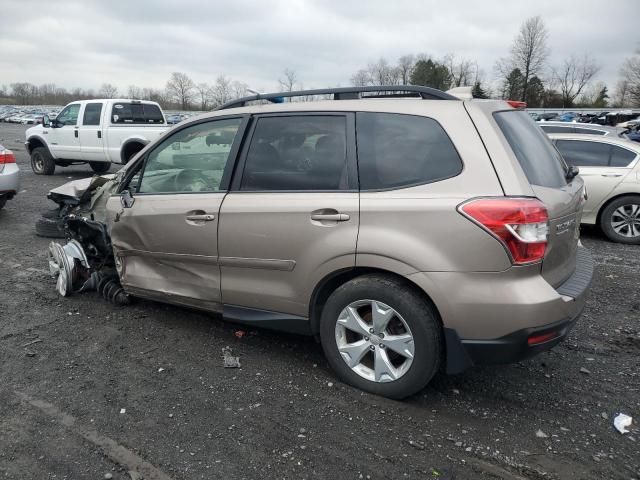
540,161
136,113
396,151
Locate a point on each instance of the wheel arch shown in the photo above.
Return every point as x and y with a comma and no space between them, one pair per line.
130,147
611,200
36,141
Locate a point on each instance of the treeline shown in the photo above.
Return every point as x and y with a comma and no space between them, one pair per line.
524,74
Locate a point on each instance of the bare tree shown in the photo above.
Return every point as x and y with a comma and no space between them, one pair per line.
238,89
630,73
180,88
108,90
361,78
381,73
288,81
222,91
135,92
528,54
463,72
573,76
621,94
405,68
204,93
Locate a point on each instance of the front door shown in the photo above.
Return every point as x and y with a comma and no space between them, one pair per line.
90,132
602,166
166,243
64,140
292,215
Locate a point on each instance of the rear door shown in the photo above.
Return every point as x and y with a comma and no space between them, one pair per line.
545,170
166,242
602,166
90,132
292,214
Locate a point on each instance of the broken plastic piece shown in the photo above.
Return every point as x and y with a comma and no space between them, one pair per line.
621,422
229,361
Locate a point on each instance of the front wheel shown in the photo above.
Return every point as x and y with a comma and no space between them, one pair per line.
620,220
100,167
381,336
42,163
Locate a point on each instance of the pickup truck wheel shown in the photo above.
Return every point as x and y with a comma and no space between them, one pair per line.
380,336
620,220
41,162
100,167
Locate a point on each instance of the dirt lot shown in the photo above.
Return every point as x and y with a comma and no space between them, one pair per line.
91,391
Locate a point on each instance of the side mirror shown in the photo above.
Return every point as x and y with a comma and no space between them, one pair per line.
126,199
46,123
572,172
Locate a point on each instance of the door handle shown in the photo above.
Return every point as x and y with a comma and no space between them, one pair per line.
330,217
201,218
611,174
99,134
76,133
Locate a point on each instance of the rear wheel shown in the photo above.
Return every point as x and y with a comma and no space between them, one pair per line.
620,220
41,162
100,167
381,336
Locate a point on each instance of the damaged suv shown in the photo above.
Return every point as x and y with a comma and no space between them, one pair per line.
410,231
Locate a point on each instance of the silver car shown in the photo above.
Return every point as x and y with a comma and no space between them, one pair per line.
581,129
9,176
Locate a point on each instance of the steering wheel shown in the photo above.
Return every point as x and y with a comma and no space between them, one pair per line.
190,180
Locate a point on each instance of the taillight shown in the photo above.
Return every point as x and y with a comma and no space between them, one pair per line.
7,156
521,224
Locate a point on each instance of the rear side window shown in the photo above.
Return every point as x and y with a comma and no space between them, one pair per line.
136,113
396,150
92,113
584,154
541,163
621,157
297,153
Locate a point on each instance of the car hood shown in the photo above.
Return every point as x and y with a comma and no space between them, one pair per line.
86,197
79,190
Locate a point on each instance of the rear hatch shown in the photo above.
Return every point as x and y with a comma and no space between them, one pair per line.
546,172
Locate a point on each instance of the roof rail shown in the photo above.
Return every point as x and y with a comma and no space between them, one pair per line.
346,93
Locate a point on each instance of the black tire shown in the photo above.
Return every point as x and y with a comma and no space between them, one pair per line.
609,215
49,228
3,202
418,313
100,167
41,161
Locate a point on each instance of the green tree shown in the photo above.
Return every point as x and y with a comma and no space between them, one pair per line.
601,99
552,99
431,74
535,92
513,85
478,91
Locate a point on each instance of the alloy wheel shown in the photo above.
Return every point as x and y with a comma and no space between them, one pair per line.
625,220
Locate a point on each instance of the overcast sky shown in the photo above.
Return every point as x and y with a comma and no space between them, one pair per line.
86,43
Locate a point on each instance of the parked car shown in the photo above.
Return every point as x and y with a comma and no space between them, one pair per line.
611,172
9,176
173,119
408,235
97,132
581,128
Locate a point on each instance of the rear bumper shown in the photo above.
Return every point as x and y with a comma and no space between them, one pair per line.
9,180
546,320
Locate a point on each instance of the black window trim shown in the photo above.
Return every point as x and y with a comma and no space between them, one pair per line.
141,164
416,184
352,171
631,165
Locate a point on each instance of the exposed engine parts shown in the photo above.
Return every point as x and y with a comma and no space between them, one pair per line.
86,261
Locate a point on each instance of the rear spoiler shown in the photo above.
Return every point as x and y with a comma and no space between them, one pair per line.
463,93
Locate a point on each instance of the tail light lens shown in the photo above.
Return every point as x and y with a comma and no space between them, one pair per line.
517,105
520,224
7,156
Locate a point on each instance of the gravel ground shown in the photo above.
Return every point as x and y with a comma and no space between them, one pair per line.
91,391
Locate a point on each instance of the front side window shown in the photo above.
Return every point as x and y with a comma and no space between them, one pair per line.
301,152
190,160
584,154
92,113
396,150
69,116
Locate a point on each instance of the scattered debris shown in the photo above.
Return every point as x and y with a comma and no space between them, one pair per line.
240,333
584,370
621,422
30,354
160,370
541,434
123,410
37,340
230,361
108,476
135,475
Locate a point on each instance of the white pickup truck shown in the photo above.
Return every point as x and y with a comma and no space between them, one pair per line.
97,132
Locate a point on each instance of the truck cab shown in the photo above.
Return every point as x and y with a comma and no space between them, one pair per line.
98,132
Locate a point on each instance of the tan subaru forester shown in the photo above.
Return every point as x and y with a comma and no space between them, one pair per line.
409,230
